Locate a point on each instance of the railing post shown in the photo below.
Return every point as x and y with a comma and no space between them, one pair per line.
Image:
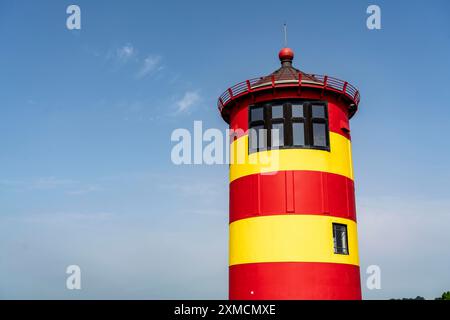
230,92
325,81
334,86
344,89
300,78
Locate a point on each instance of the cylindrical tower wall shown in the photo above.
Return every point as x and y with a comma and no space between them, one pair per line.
293,232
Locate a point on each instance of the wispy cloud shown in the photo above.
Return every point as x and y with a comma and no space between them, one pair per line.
125,52
129,57
69,186
70,217
41,183
51,183
84,190
151,64
189,99
122,55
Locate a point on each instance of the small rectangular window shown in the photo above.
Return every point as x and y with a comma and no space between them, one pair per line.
257,114
277,112
277,135
319,134
318,111
297,110
298,133
340,238
257,139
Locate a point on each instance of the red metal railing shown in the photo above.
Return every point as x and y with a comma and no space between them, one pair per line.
277,81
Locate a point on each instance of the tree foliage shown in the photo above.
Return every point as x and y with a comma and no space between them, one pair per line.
445,296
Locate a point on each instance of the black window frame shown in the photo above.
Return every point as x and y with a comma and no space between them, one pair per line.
340,250
256,123
271,121
288,120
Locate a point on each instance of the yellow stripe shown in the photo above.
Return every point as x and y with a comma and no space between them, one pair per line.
338,160
294,238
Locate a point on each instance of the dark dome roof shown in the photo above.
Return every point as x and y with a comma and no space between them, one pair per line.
287,77
287,72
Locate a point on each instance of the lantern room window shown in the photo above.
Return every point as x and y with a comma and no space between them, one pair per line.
289,124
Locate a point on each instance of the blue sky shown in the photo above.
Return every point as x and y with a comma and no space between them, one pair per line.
86,117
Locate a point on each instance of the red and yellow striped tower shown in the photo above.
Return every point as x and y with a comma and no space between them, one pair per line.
293,228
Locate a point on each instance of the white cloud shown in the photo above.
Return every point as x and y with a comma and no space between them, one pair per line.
189,99
51,183
128,55
41,183
67,218
84,190
126,52
71,187
151,64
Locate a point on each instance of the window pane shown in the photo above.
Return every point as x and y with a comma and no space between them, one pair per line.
343,241
257,138
298,131
262,138
253,139
297,110
319,134
318,111
257,114
340,238
277,135
277,112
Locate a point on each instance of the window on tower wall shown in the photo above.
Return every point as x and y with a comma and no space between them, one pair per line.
258,134
276,123
340,238
289,124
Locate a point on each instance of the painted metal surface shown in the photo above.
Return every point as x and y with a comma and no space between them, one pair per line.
293,192
294,281
283,203
338,160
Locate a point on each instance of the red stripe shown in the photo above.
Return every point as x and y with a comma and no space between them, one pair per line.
337,115
294,281
296,192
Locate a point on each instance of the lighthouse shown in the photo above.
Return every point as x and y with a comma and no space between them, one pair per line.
292,217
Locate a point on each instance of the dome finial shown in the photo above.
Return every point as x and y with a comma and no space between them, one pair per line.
286,55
